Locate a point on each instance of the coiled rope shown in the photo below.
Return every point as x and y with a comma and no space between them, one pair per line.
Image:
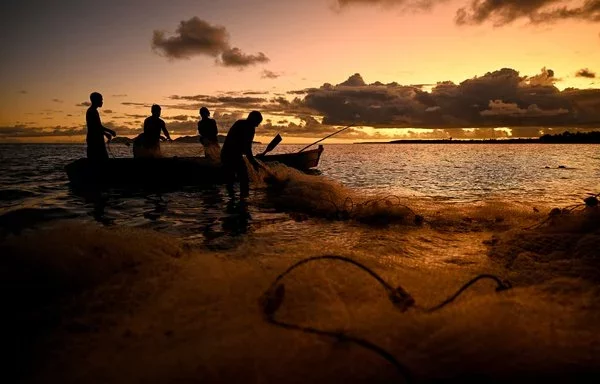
273,298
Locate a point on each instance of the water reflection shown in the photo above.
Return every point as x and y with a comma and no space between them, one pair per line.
98,201
237,218
159,207
203,213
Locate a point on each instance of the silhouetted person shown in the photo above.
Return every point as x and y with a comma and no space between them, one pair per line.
96,149
148,144
237,144
207,129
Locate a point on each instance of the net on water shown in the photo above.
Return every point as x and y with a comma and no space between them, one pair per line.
293,191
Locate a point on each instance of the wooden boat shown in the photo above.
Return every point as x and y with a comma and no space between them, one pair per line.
170,171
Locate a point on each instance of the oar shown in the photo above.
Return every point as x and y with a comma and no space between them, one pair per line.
276,140
326,137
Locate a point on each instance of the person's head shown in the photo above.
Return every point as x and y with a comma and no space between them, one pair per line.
255,118
155,110
96,99
204,112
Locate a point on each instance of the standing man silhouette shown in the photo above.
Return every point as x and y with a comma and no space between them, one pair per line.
96,148
207,129
153,127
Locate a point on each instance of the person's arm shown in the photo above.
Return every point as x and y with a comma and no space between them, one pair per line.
248,149
164,130
108,132
214,131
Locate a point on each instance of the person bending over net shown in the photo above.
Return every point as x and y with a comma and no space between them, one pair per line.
237,144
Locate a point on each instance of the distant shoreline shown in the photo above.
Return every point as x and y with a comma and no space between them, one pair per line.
479,141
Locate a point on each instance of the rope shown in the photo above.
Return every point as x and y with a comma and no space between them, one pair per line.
589,202
109,149
273,298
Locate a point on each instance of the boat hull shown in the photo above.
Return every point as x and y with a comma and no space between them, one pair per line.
169,171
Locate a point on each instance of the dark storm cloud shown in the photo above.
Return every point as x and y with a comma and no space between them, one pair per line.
195,37
502,12
500,98
266,74
585,73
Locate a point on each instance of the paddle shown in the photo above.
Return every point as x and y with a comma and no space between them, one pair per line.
276,140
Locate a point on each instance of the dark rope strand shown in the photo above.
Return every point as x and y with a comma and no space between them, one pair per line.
333,257
501,286
342,337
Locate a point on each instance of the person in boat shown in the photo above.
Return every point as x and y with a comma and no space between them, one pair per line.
96,148
147,144
207,129
237,144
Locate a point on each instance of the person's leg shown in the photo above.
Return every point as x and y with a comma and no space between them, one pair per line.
229,173
242,173
97,152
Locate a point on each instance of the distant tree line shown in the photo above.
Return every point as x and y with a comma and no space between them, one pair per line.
573,138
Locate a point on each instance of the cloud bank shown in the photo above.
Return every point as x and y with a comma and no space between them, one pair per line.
501,98
504,98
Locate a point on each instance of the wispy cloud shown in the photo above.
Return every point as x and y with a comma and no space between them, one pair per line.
266,74
585,72
402,4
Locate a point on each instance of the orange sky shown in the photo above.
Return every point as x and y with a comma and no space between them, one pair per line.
56,62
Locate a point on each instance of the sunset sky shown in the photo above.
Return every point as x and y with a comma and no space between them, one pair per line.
398,68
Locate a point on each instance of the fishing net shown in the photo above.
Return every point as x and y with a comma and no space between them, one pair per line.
567,242
306,195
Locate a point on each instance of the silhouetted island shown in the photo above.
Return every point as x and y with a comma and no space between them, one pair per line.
560,138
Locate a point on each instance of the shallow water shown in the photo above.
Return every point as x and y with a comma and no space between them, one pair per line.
32,176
